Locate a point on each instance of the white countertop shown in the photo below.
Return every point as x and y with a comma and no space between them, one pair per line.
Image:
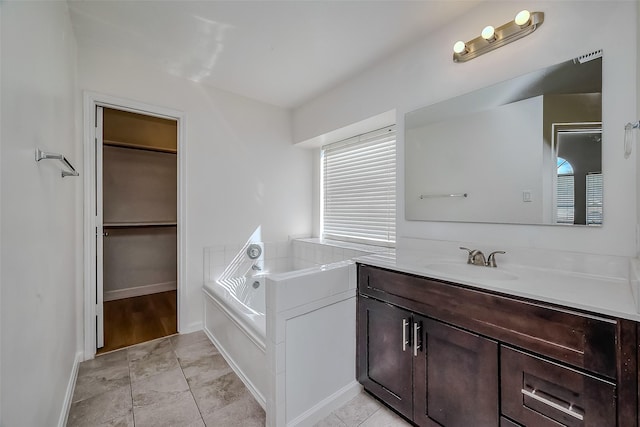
601,295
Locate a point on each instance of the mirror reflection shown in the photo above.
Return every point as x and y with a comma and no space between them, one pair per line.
524,151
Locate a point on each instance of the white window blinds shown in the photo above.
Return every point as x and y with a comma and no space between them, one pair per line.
594,199
359,189
565,207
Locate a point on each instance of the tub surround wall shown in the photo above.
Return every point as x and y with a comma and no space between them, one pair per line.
309,312
283,256
310,306
414,77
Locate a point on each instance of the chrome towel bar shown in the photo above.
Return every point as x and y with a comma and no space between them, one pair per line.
433,196
43,155
628,137
630,126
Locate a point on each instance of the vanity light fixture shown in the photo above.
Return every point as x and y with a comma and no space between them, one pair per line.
492,38
523,18
460,47
488,33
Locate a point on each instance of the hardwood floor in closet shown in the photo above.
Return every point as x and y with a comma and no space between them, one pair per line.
134,320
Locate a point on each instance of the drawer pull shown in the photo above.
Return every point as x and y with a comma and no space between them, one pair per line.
405,341
569,411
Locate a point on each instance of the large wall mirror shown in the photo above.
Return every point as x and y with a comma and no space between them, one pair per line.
524,151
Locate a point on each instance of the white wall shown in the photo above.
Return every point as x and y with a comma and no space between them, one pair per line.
444,149
39,212
424,74
242,170
637,117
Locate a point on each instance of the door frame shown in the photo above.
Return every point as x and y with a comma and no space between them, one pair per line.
91,100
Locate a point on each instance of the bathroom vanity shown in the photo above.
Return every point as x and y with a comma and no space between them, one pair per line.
443,353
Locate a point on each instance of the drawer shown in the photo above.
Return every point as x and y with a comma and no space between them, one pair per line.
584,341
537,392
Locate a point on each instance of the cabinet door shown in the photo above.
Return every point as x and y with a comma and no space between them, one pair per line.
384,353
456,377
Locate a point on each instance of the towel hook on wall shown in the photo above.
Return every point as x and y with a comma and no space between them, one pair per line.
70,170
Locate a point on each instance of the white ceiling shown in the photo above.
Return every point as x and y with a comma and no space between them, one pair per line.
280,52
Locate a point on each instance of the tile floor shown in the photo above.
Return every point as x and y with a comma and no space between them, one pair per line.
183,381
363,411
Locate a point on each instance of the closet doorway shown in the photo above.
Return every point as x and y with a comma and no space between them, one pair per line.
136,187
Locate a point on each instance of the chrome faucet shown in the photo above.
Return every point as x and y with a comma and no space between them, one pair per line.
476,257
491,261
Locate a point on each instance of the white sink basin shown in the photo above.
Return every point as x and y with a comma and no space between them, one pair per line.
471,271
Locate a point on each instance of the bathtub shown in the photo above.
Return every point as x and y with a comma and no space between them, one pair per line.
245,298
234,320
307,286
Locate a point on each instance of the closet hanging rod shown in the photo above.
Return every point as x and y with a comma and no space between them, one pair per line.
139,224
112,143
43,155
433,196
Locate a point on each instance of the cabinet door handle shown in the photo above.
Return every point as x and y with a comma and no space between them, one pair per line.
405,340
417,342
567,410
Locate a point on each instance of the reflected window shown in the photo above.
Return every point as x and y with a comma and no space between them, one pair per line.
594,199
565,202
565,191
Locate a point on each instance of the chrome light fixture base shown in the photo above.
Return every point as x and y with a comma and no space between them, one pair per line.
503,35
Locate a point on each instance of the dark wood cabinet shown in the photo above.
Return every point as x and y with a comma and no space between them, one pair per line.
384,354
506,422
443,354
455,377
430,372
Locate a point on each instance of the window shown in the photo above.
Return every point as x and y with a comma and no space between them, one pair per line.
565,199
359,189
594,199
565,208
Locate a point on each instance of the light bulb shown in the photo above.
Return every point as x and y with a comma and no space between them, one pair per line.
489,33
460,47
522,18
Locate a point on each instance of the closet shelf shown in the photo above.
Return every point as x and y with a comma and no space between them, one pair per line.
140,224
121,144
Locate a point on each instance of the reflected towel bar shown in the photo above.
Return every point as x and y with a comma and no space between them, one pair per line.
433,196
42,155
628,137
630,126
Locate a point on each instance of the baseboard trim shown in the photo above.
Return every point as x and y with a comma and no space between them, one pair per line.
71,385
192,327
140,290
325,407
